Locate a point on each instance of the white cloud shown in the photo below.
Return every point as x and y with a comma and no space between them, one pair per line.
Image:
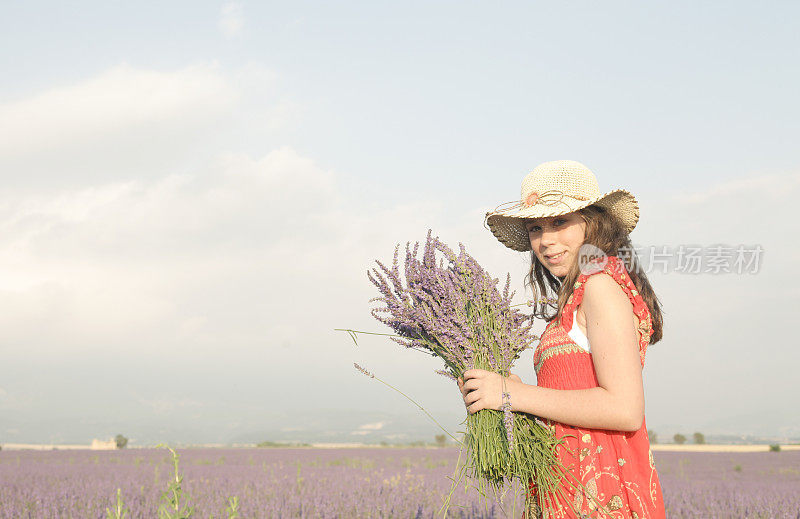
128,128
231,19
198,262
111,103
92,260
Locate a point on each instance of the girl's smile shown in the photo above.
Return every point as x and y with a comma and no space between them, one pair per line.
556,241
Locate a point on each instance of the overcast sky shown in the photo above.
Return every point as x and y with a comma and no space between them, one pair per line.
192,193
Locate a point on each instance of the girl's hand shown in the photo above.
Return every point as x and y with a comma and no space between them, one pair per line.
483,389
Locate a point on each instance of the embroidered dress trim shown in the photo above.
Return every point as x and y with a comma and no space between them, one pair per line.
556,350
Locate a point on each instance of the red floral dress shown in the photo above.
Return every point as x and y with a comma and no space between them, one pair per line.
615,468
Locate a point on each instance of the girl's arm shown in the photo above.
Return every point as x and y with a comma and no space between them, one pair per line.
618,402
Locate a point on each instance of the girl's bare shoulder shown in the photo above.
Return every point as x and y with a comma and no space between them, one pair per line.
602,291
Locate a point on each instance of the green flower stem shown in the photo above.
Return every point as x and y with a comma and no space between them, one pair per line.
353,333
436,349
421,408
458,471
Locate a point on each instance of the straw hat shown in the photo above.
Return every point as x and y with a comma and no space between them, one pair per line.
555,188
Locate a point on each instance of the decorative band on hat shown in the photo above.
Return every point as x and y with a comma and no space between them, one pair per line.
550,198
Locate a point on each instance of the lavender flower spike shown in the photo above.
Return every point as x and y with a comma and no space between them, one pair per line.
508,420
362,370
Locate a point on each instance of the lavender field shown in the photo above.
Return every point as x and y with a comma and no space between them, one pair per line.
333,483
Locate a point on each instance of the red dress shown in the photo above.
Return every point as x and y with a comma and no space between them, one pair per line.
614,467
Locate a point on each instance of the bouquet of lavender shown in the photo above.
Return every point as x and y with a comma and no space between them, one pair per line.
452,309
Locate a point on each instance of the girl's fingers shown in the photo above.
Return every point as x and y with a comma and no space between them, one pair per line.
473,373
471,384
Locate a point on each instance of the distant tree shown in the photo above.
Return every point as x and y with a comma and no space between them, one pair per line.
653,437
268,443
121,441
441,440
699,438
775,447
679,439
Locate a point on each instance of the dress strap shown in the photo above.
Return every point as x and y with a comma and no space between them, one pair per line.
615,268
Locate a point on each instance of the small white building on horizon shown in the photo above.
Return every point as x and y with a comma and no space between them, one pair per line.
103,445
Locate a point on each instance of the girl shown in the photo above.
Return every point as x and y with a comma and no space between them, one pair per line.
590,356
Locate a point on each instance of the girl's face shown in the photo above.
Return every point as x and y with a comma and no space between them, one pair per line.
556,240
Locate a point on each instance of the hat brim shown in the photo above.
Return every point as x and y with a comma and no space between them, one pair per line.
509,226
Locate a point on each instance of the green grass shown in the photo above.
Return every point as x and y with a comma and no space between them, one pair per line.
174,504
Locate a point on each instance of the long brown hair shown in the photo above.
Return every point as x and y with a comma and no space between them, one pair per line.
606,233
